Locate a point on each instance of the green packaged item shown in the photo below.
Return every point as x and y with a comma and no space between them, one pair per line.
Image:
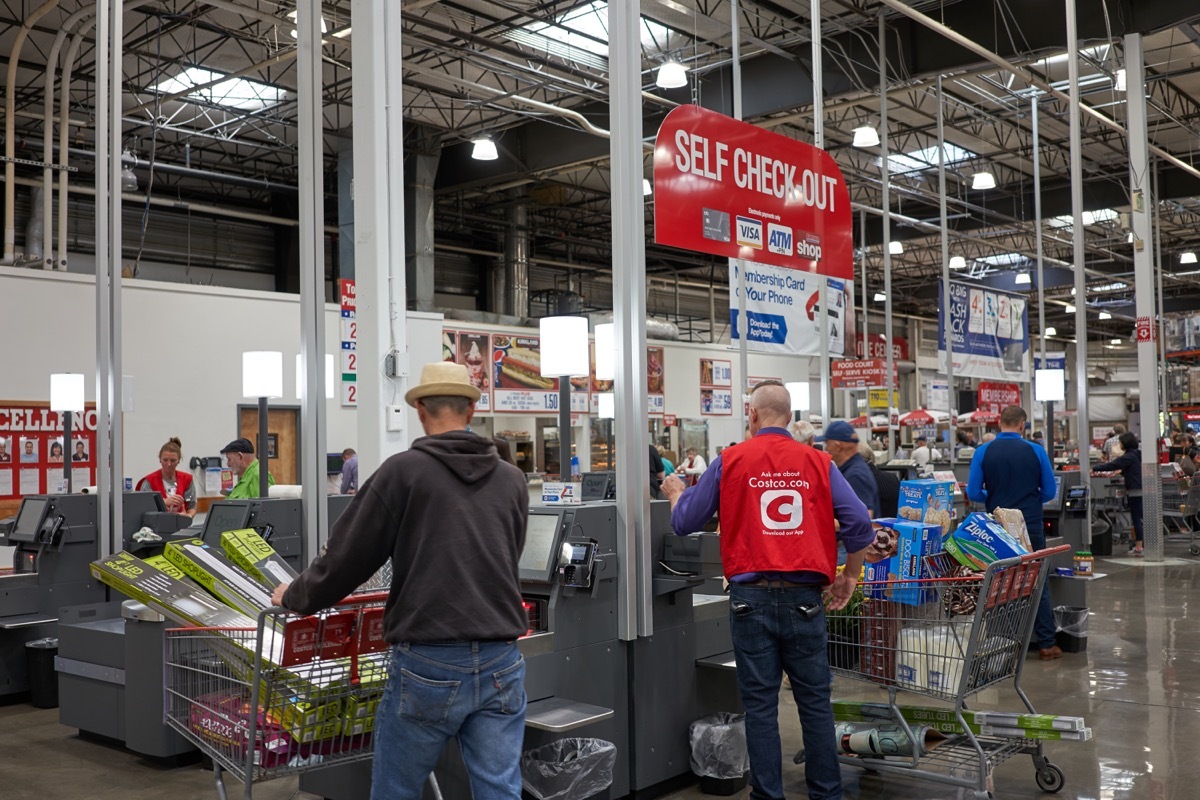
211,569
252,553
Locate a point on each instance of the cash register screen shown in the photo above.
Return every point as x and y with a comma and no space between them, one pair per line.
539,557
33,510
223,518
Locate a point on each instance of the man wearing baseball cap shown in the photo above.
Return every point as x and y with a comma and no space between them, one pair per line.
841,442
451,516
240,456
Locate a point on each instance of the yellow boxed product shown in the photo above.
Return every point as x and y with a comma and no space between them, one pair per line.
211,569
252,553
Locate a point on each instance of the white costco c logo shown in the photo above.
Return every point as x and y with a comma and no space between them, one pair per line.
782,509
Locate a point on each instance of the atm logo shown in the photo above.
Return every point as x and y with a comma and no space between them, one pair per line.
750,232
779,239
781,509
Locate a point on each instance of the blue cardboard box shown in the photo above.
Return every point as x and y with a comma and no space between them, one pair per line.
980,540
915,541
927,500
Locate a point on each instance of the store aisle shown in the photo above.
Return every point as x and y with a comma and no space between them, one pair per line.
1137,685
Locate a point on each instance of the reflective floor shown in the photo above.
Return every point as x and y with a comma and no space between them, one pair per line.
1138,686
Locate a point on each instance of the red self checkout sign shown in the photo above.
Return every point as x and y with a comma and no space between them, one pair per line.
1145,329
732,189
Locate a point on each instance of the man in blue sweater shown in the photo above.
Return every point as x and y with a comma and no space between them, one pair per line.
1010,472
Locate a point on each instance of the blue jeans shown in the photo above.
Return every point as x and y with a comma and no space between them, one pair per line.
1135,516
1043,625
772,636
471,691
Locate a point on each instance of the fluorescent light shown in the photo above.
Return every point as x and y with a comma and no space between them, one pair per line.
866,136
324,28
880,297
1119,82
1187,258
607,405
66,391
983,180
1023,278
1114,341
647,189
1051,331
1070,309
896,248
958,262
606,351
1105,315
671,75
484,149
1129,238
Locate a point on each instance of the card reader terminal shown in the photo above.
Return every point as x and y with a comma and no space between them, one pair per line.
576,563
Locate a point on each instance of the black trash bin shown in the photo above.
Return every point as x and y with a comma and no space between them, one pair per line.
569,769
1071,625
39,667
719,754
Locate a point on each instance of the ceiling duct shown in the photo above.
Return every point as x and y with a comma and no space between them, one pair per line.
655,328
1098,376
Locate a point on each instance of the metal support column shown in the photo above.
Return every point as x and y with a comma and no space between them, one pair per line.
379,227
426,164
311,137
104,413
741,385
950,394
634,606
1143,276
818,93
886,205
1035,152
1081,342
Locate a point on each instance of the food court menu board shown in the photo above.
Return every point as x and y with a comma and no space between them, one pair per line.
517,383
473,350
655,368
33,451
716,387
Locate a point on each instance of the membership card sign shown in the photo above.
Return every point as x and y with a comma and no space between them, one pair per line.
733,189
785,309
989,333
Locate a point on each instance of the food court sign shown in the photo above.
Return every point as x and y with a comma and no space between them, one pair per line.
732,189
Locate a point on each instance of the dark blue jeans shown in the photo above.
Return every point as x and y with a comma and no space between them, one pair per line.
472,691
772,636
1135,515
1043,624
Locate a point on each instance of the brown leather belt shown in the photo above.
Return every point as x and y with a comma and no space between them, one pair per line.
774,583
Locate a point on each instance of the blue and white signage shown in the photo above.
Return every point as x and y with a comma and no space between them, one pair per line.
1054,360
784,308
989,333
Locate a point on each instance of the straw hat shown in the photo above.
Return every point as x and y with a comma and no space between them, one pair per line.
442,379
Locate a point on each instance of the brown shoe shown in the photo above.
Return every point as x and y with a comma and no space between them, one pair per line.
1050,653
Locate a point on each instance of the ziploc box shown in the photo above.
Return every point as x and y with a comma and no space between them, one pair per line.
211,569
980,540
927,500
252,553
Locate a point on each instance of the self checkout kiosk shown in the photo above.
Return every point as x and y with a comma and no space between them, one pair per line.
581,679
1066,514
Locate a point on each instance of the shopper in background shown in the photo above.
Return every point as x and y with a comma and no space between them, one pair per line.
692,467
176,486
239,454
1010,472
448,506
349,471
503,449
657,473
1117,430
886,481
802,431
778,549
668,467
841,442
921,454
1129,464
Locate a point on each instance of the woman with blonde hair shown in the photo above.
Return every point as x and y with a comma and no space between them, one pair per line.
176,486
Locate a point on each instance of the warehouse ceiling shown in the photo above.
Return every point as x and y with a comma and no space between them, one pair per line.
210,99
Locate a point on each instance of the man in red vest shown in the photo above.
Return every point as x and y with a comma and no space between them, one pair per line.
778,501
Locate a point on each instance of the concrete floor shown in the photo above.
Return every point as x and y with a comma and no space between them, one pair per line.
1138,686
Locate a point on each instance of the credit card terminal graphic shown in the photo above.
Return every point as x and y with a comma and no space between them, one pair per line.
576,563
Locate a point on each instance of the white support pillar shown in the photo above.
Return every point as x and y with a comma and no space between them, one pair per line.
379,228
886,204
818,91
1143,200
104,413
951,395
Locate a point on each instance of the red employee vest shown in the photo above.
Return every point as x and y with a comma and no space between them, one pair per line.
182,481
776,508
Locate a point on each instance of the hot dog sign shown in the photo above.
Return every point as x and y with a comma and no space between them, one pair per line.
517,377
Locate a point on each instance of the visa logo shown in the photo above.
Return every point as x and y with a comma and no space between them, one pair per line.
749,232
779,239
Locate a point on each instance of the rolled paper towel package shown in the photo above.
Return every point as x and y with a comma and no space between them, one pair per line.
884,739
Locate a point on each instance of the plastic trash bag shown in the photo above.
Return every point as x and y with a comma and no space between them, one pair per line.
719,746
569,769
1071,620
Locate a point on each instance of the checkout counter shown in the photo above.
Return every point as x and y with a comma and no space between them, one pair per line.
581,680
1066,514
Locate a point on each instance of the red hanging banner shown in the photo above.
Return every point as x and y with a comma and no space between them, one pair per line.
733,189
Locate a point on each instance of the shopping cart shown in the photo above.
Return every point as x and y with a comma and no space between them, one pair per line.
947,637
1180,505
294,694
1110,511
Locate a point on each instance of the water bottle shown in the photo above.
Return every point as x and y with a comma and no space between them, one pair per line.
574,468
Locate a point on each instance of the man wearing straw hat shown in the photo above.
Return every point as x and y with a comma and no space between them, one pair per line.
451,516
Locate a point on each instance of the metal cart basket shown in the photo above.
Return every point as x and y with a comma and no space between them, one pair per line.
295,693
947,637
1180,505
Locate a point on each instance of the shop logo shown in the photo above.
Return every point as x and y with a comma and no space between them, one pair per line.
808,246
782,509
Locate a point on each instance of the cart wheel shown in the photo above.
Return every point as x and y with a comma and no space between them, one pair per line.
1194,549
1050,778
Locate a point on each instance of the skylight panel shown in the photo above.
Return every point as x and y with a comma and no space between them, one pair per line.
1002,259
927,158
587,30
234,93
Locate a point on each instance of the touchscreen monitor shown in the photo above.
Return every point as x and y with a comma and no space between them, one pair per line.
29,519
540,556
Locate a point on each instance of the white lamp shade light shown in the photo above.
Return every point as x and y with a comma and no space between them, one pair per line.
1070,309
1049,385
866,136
799,393
66,391
1120,82
606,352
1187,258
1023,278
880,297
1051,331
262,373
1105,315
958,262
983,180
607,405
671,75
564,346
328,376
647,189
484,149
896,248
